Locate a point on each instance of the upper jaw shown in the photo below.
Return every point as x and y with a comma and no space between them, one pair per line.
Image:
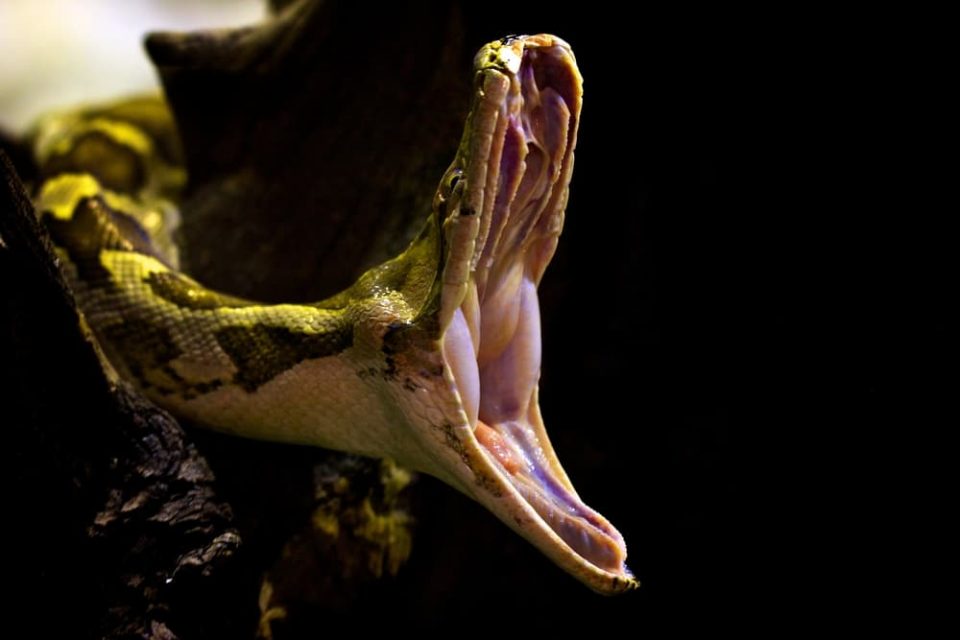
513,169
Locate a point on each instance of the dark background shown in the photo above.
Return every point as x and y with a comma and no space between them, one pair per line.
722,337
645,343
723,331
742,321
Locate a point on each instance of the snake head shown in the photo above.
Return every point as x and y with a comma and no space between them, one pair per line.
497,215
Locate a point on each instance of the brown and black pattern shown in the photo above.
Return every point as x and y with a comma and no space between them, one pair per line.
115,165
81,237
148,351
150,115
188,294
263,352
94,227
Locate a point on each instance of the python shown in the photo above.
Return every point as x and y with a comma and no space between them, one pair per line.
431,358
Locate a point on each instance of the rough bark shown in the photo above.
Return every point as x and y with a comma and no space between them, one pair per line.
115,512
315,141
120,519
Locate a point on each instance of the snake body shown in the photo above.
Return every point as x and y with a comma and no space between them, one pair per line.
431,358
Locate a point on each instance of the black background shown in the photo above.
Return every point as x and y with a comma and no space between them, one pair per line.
722,335
724,329
650,337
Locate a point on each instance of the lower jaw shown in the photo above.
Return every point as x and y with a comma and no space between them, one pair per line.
500,402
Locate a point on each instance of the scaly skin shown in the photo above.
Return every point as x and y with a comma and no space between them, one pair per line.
431,358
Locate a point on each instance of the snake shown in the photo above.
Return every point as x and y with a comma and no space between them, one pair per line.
431,358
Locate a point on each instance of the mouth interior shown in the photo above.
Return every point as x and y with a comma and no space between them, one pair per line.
493,344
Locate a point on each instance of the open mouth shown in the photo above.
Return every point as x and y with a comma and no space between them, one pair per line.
529,109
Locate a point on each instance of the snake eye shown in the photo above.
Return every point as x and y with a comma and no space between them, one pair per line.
450,187
450,182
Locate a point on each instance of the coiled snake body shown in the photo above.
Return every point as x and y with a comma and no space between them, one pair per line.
431,358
